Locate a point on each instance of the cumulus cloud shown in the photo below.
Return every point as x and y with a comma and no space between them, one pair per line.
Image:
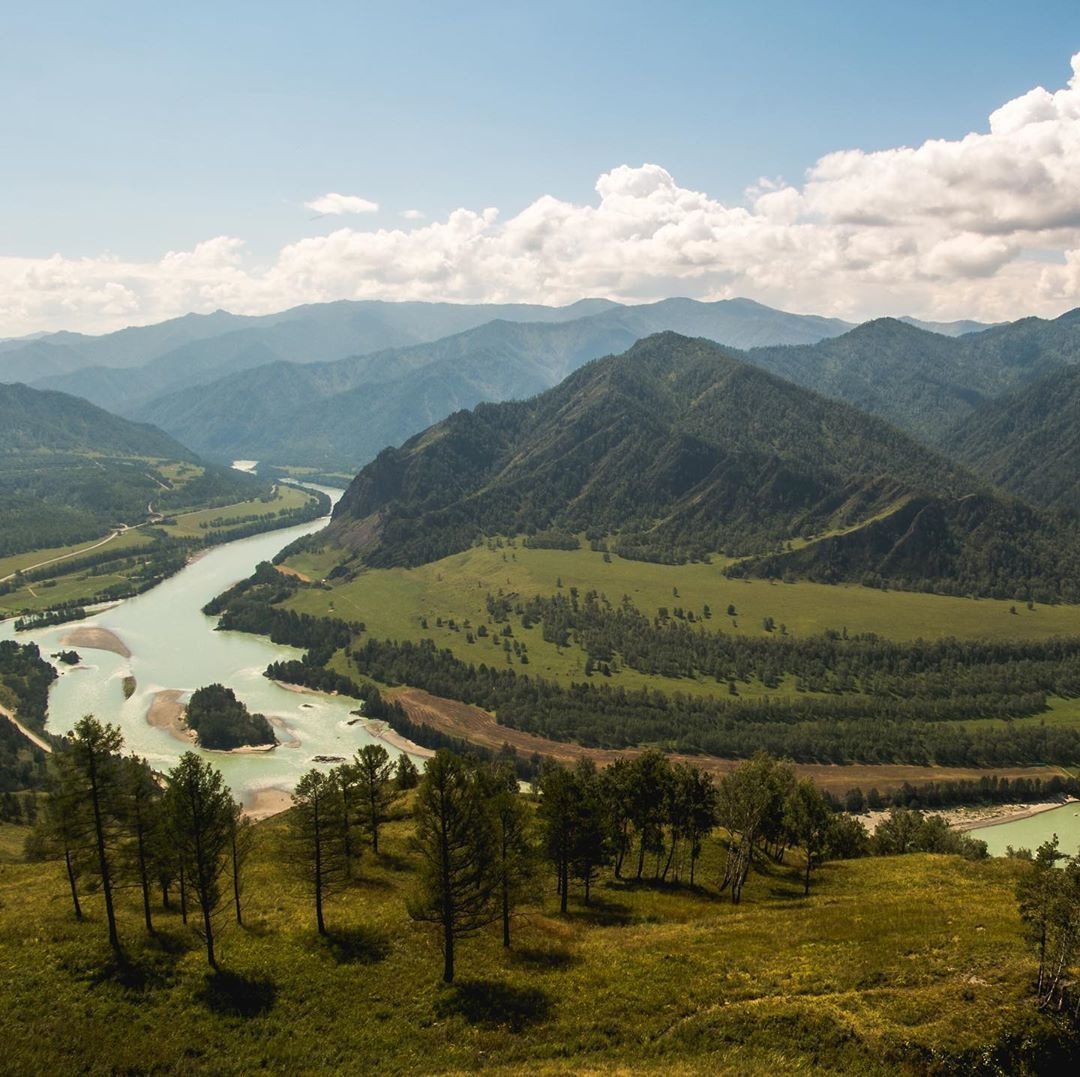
413,214
335,205
986,226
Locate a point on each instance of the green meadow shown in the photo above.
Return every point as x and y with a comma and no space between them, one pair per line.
892,965
396,603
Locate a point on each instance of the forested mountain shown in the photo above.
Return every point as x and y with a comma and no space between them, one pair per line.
343,413
922,381
677,449
69,471
122,370
1028,442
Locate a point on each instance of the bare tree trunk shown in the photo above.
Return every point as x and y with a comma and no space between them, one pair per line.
103,863
236,879
71,881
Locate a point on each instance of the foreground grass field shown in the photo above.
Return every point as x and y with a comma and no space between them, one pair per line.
893,965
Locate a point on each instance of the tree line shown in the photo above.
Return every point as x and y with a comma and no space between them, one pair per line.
867,729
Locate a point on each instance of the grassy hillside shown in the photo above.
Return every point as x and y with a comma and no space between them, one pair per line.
893,965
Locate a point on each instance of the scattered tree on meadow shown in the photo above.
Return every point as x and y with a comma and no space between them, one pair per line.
346,780
315,825
406,776
375,786
1049,898
201,812
241,842
514,854
810,821
94,771
745,799
457,883
144,817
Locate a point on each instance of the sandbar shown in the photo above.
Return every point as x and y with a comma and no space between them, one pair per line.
96,639
167,712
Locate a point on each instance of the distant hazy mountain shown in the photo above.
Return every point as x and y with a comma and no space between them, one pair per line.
186,352
69,471
925,382
343,413
949,329
122,369
677,449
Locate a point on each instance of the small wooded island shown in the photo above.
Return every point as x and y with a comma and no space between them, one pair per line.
222,722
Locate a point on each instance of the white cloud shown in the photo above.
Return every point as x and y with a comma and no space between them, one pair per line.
986,226
334,204
413,214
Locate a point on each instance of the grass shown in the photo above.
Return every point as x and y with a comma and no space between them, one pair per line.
890,963
21,561
393,602
80,585
188,524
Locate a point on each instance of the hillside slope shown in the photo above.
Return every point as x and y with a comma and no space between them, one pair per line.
1028,442
69,471
925,382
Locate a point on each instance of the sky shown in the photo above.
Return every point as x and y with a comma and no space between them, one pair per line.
840,158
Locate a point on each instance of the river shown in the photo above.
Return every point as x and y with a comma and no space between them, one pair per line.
1030,833
174,645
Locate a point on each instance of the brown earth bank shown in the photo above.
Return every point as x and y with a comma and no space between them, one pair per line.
480,727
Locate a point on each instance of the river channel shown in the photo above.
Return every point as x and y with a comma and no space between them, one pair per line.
174,645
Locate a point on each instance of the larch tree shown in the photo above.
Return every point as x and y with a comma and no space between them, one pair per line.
95,777
515,859
457,882
809,819
375,786
201,811
316,837
142,799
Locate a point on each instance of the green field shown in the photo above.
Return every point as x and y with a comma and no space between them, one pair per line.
188,524
892,964
20,562
82,585
393,602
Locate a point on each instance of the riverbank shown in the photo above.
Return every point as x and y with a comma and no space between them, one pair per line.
266,802
978,817
381,730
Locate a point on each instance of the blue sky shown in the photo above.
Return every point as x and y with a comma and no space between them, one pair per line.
136,129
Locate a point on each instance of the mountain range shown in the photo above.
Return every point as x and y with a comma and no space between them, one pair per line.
678,449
